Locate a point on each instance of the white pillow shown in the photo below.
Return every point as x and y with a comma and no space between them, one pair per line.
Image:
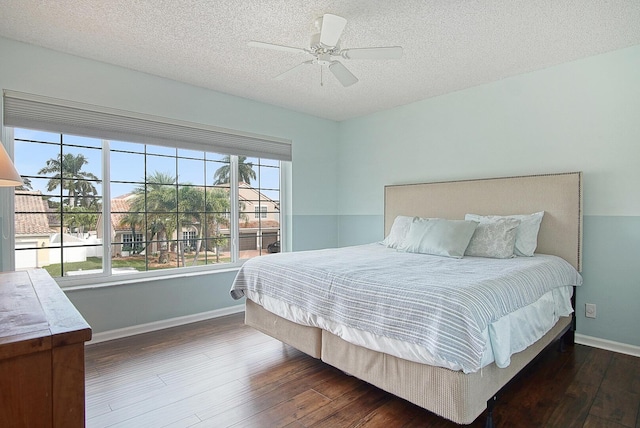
438,237
493,238
399,229
526,234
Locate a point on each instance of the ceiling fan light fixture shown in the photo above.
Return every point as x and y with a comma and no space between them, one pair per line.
324,59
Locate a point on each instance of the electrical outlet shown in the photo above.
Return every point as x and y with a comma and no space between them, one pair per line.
590,310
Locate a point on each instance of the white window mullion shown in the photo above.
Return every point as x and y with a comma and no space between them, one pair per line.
106,208
234,221
286,204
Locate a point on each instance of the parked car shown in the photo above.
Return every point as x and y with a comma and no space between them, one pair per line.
274,247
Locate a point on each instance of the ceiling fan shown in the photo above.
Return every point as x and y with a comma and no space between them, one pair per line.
324,47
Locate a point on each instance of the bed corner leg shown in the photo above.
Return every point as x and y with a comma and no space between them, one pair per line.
568,338
561,345
490,405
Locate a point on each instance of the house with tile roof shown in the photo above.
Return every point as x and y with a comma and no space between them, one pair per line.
259,223
33,229
39,234
121,231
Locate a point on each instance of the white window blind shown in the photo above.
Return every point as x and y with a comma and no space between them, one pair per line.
55,115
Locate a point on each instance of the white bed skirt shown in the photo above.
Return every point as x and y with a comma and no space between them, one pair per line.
506,336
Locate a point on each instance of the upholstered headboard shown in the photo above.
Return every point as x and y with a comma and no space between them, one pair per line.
558,195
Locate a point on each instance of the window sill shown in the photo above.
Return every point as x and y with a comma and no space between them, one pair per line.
123,280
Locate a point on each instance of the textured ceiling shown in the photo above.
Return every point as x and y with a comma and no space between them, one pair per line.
448,44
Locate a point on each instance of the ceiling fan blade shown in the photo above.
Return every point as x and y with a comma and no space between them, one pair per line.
332,26
389,52
342,74
283,48
291,71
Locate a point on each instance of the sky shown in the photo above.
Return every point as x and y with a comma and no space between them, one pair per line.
128,162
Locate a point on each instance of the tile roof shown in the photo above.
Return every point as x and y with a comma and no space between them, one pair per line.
32,214
253,224
119,210
34,217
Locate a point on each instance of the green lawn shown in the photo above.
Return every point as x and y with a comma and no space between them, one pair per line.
136,262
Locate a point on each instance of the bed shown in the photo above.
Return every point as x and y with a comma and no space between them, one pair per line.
458,391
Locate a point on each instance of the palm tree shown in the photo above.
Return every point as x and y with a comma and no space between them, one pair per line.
158,199
26,184
169,207
218,205
132,220
67,170
245,171
79,217
204,210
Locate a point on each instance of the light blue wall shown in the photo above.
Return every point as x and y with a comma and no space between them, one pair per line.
579,116
313,179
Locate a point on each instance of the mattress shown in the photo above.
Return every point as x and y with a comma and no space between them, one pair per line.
448,308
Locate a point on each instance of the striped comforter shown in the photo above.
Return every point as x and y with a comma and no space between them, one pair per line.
439,303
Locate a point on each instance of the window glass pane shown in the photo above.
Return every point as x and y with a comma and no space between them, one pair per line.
161,169
216,157
248,170
218,203
158,198
40,136
216,249
219,172
58,208
82,141
127,166
259,208
191,171
31,159
79,259
161,150
80,221
273,195
269,177
192,154
82,163
270,162
122,190
126,147
82,193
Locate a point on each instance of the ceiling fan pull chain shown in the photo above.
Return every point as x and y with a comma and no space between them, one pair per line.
321,82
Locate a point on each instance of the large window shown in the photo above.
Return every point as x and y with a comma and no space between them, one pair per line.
102,207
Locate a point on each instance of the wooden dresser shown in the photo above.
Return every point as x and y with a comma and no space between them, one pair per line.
42,339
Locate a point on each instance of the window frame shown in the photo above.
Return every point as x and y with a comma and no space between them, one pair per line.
106,277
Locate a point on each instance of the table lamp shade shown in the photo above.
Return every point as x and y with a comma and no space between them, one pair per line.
9,177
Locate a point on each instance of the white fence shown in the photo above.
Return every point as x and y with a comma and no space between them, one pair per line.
32,253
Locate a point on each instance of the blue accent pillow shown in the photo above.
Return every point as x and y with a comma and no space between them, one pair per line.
439,237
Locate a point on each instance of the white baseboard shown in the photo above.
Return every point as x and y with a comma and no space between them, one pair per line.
159,325
609,345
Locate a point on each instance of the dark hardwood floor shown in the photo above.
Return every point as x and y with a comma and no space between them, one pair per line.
220,373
